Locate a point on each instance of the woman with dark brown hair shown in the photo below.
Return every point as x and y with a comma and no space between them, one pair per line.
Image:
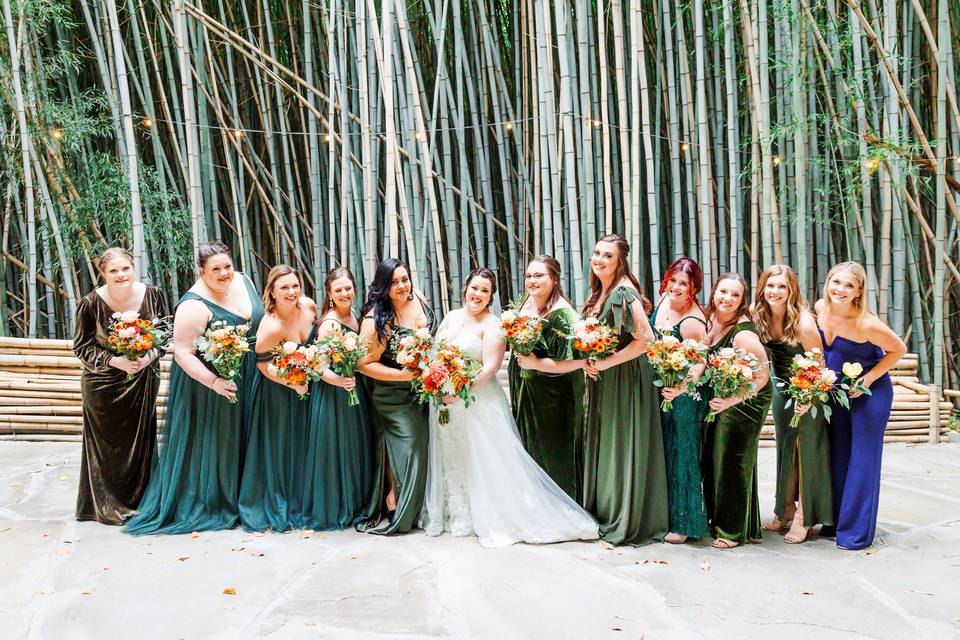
546,387
119,394
730,441
625,478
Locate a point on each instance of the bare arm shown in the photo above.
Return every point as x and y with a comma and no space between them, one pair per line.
270,335
689,330
494,347
883,336
370,365
189,324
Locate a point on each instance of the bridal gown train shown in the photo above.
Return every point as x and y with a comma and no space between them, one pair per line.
481,481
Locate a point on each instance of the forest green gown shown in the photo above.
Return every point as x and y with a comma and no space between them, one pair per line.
119,415
401,438
271,485
809,443
338,469
730,445
548,407
195,484
682,428
625,479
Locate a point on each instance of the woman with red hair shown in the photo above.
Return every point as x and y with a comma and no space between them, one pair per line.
678,314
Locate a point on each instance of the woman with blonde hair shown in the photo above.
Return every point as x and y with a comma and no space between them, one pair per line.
858,343
787,328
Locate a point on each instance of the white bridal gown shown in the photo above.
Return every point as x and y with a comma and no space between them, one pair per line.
480,479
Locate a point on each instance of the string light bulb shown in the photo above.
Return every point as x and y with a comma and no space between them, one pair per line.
57,134
326,138
776,160
418,135
509,126
237,134
147,123
597,123
873,164
684,146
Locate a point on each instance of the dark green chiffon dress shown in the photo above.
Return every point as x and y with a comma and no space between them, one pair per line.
625,478
119,416
338,470
808,445
682,428
548,407
271,484
195,484
730,445
401,437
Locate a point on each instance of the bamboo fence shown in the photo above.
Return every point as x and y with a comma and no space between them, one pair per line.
454,134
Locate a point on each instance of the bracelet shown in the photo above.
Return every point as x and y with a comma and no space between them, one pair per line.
214,383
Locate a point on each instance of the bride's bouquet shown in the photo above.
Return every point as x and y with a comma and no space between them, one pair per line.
295,364
731,371
522,333
224,346
672,360
134,337
594,339
343,352
447,372
811,382
413,349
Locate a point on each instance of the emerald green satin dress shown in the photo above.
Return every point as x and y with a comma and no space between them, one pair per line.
196,482
271,485
401,437
682,428
625,478
808,445
548,407
338,473
730,446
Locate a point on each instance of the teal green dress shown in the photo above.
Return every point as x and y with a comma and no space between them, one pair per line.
808,445
338,471
682,428
195,483
730,445
401,438
271,485
625,478
548,407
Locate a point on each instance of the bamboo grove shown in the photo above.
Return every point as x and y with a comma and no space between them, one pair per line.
454,134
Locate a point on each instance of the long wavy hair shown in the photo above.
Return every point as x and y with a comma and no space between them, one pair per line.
553,271
334,274
690,267
796,305
378,295
277,272
860,276
623,271
481,272
742,310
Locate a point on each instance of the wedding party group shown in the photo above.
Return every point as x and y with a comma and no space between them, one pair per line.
625,421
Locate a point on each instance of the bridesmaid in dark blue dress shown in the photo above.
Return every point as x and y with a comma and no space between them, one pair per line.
851,333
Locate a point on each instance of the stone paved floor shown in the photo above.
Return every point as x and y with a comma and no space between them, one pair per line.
61,579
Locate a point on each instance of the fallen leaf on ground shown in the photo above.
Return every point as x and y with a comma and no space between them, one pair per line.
229,591
62,478
613,628
807,593
306,534
322,536
182,558
5,530
257,554
653,561
195,534
63,552
607,546
238,549
89,591
705,565
352,556
923,593
257,534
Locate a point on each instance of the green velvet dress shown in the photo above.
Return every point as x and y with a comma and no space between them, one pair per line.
195,483
682,428
730,445
625,478
809,443
548,407
271,485
338,470
119,416
402,434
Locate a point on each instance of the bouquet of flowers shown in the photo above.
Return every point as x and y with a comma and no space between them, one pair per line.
223,346
672,360
343,351
448,372
811,382
731,371
522,332
594,339
412,349
134,337
851,382
295,364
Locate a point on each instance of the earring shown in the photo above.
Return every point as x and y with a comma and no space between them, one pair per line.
331,304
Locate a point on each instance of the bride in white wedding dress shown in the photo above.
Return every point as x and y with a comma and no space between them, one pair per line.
480,479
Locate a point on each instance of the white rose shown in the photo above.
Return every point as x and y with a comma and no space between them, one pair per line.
829,376
591,321
272,369
350,343
289,346
747,372
129,316
423,334
508,317
726,352
407,342
852,369
128,332
670,340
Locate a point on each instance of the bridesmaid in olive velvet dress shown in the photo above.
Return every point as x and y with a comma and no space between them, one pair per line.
730,442
787,328
338,470
546,387
195,484
625,479
393,308
271,484
119,411
851,333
